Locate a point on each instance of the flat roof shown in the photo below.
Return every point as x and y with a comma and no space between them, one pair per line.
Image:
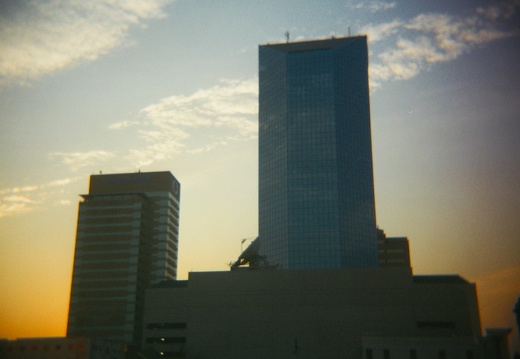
323,44
136,182
438,279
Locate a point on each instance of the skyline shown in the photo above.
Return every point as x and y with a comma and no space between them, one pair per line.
173,85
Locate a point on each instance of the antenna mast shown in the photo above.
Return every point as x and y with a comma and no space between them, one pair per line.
287,36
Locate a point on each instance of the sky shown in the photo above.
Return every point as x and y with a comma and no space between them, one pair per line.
121,86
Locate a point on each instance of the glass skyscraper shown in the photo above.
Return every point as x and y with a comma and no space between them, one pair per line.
127,240
316,187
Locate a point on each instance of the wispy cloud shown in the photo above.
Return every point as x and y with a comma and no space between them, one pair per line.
381,31
189,124
413,46
122,124
371,5
196,123
11,206
18,200
60,182
46,36
78,160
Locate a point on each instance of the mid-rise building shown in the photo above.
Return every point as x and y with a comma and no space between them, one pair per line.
127,240
316,187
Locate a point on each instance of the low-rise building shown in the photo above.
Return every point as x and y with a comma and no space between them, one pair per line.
377,313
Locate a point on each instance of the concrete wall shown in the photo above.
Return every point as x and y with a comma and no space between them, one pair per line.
306,314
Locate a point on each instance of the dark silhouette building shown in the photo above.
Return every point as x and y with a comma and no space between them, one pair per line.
326,314
316,188
127,240
393,251
516,310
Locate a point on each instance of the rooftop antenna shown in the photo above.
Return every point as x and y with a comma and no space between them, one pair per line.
349,31
287,36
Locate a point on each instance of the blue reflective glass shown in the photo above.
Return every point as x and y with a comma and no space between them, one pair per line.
316,193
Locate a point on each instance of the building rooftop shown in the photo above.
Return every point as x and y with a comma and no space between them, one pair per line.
137,182
323,44
438,279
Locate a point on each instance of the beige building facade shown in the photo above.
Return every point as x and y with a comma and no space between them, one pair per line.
339,313
126,241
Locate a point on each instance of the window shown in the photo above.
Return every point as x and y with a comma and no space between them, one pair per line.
166,326
438,324
166,340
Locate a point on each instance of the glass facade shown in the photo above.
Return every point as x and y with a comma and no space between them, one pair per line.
316,192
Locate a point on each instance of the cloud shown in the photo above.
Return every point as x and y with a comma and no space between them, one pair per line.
415,45
196,123
24,189
18,200
381,31
60,182
78,160
372,5
190,124
43,37
122,124
10,207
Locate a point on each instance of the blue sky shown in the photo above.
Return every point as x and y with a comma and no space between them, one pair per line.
118,86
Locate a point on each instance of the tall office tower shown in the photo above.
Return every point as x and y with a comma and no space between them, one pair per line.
127,239
316,191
